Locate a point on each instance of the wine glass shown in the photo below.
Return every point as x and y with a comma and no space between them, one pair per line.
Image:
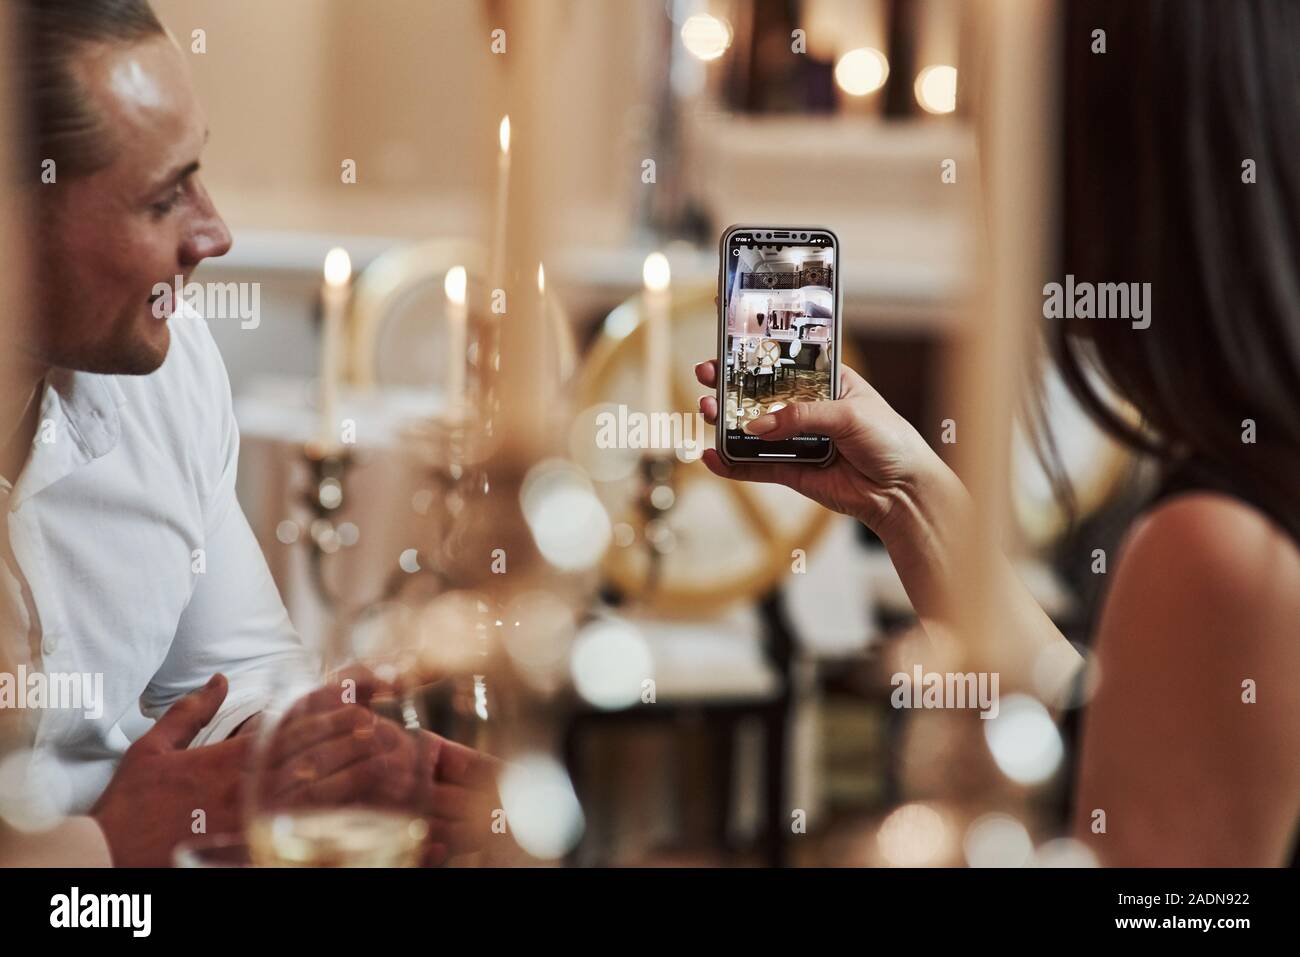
342,771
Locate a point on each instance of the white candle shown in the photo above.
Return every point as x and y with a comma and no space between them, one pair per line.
503,198
547,350
457,319
657,304
334,302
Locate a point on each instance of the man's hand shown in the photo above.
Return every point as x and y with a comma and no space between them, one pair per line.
330,752
327,752
463,797
374,760
148,807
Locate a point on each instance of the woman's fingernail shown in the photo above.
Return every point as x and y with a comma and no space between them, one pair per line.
764,423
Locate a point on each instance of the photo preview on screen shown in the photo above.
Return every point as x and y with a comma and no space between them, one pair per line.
780,319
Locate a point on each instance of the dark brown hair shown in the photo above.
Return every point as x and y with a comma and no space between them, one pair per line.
1158,129
61,125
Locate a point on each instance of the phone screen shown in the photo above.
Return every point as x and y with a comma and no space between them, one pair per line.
780,318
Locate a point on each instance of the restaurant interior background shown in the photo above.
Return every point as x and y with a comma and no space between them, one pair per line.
768,628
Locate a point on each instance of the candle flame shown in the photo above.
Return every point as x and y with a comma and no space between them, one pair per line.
656,272
454,284
503,133
541,278
338,267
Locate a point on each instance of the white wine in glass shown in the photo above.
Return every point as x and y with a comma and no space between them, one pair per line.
337,837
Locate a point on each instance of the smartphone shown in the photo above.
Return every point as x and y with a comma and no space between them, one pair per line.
778,335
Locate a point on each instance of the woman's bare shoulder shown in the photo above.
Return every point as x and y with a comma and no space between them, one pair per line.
1208,538
1198,655
1209,571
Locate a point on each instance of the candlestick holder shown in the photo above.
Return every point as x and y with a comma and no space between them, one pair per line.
325,494
657,496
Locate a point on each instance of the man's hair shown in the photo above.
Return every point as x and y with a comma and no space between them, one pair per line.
61,124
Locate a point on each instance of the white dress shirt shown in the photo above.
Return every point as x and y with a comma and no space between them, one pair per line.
132,558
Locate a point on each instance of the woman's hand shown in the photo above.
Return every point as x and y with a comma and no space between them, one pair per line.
882,465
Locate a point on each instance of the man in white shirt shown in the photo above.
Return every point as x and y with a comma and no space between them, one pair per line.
127,554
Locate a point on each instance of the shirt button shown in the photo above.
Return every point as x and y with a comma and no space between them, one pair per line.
49,645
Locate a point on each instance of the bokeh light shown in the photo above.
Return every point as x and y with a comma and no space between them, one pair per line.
568,521
705,36
861,71
997,840
936,88
541,807
610,661
1024,740
915,835
1064,852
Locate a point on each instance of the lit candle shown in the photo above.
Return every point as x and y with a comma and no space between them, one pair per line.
334,302
454,286
547,357
657,302
503,197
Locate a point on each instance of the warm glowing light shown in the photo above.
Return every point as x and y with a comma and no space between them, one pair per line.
610,661
936,88
1064,852
997,840
862,71
1024,740
568,521
455,283
338,267
656,272
537,631
914,835
541,806
541,278
503,134
706,37
451,632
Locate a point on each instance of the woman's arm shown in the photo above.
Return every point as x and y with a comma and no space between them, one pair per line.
887,477
1206,597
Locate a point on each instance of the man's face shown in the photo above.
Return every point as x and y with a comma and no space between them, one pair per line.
110,237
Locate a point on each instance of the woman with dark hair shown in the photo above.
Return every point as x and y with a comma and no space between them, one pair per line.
1179,171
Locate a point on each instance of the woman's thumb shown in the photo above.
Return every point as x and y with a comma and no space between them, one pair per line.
830,418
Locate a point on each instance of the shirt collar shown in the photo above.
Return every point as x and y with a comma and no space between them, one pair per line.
79,422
